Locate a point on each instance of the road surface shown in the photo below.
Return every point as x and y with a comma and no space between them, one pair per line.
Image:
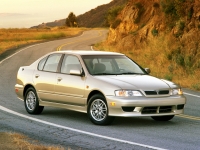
73,129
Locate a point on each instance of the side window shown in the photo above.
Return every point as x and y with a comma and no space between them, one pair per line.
41,63
70,62
52,62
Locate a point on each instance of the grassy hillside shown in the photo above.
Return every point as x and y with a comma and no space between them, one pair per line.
14,38
162,35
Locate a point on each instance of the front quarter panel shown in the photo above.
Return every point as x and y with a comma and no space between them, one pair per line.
95,84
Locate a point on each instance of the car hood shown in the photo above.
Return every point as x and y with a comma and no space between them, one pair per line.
139,82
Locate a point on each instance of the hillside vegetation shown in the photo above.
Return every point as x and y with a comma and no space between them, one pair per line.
163,35
14,38
97,16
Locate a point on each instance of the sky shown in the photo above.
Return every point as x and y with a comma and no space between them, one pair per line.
28,13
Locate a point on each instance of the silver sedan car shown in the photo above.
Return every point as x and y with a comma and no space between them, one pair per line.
102,84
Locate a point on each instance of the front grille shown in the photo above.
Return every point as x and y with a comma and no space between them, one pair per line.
150,92
156,109
161,92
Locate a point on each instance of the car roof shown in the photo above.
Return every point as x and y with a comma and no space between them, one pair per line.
89,52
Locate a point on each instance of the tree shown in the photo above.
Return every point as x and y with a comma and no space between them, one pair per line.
71,20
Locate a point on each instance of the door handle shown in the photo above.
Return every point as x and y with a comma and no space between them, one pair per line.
37,75
59,79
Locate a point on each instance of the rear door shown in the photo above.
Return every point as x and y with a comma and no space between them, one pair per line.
45,77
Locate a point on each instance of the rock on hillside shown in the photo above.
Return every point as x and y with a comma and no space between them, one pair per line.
177,21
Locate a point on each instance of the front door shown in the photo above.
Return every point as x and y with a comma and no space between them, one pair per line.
70,88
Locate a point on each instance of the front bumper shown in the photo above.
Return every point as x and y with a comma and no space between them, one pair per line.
143,106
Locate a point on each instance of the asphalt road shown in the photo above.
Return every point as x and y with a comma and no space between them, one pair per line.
73,129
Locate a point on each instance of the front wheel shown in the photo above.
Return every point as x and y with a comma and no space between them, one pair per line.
162,118
31,102
98,110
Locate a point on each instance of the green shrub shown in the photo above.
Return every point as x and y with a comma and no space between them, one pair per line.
112,14
154,32
168,77
178,57
180,60
169,56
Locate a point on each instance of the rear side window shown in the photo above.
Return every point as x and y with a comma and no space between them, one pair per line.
52,62
41,63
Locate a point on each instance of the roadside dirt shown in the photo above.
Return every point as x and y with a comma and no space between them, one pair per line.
15,141
7,142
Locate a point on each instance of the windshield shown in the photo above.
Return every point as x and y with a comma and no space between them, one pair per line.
111,65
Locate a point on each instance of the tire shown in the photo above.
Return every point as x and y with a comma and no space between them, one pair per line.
162,118
98,110
31,102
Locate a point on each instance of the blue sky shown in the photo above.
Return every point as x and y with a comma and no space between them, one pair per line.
27,13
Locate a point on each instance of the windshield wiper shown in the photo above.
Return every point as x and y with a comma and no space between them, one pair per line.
103,73
131,73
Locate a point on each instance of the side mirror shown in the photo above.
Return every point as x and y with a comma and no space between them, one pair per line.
77,72
147,70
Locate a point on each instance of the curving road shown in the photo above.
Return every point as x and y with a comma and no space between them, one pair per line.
73,129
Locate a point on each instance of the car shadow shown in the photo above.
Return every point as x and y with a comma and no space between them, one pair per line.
128,122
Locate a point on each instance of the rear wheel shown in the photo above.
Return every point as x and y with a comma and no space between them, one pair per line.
162,118
98,110
31,102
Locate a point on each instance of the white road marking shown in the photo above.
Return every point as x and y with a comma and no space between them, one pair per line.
17,53
79,131
191,94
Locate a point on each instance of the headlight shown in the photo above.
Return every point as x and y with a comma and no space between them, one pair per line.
176,91
127,93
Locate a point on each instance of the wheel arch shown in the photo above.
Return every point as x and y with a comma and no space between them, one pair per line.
26,87
94,92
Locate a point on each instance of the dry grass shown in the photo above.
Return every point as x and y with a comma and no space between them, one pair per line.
13,38
154,55
20,142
